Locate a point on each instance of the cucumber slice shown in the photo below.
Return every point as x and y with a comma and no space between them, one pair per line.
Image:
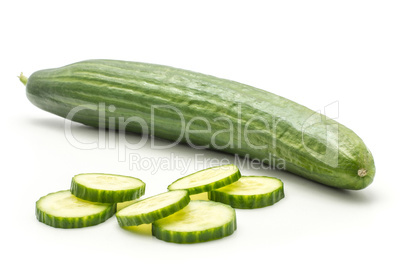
208,179
64,210
106,188
250,192
150,209
199,221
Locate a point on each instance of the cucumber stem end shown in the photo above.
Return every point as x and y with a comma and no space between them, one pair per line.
23,79
362,172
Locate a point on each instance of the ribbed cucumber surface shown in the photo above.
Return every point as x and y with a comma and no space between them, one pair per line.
153,208
106,188
199,221
171,103
64,210
250,192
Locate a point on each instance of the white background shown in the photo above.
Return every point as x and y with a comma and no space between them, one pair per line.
313,52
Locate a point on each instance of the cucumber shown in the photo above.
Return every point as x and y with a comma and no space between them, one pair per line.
250,192
208,179
153,208
106,188
205,112
63,210
199,221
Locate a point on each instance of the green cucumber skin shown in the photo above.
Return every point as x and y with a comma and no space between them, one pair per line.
247,202
134,87
194,237
74,222
71,223
105,196
152,216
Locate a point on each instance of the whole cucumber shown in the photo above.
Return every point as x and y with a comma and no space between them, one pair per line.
205,112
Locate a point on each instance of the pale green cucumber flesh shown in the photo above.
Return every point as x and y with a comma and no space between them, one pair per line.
64,210
250,192
208,179
284,134
106,188
199,221
153,208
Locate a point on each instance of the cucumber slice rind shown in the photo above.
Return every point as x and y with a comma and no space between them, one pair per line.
195,189
59,221
162,232
124,218
88,193
249,201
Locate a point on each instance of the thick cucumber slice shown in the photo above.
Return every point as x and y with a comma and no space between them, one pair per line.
250,192
150,209
106,188
64,210
199,221
207,179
